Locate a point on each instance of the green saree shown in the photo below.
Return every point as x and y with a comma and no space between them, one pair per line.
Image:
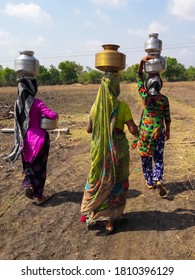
107,183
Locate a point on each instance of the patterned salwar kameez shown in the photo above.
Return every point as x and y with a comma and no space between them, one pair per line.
152,135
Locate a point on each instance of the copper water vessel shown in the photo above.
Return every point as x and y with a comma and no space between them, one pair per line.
110,59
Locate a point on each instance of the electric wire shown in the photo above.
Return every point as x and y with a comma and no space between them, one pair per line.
92,53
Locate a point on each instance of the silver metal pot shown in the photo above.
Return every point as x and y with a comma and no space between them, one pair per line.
49,124
26,64
153,44
155,65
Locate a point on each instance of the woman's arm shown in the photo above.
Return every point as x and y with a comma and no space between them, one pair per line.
46,111
132,127
140,80
167,130
167,121
141,65
89,125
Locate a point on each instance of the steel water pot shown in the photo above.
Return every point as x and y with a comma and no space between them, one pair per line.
26,64
155,65
49,124
153,45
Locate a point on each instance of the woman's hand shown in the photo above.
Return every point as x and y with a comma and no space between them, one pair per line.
89,125
167,135
143,60
133,129
147,57
167,130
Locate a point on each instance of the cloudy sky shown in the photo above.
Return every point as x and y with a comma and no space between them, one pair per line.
76,29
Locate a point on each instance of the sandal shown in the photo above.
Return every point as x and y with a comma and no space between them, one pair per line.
161,189
150,187
29,192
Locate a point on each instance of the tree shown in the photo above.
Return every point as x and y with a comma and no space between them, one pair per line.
69,72
90,76
129,75
1,79
94,76
191,73
44,76
55,76
175,71
83,77
8,77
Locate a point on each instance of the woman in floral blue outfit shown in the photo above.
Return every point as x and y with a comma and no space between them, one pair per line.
154,128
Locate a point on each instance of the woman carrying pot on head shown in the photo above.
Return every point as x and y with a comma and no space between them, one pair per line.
154,127
31,141
105,191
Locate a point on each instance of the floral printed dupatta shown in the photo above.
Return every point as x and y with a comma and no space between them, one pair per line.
103,196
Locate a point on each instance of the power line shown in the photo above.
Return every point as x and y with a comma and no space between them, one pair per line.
87,53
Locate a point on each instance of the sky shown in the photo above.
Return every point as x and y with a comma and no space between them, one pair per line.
75,30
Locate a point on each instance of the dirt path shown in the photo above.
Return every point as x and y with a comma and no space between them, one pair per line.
154,228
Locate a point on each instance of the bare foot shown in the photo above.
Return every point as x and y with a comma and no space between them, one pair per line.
109,227
43,199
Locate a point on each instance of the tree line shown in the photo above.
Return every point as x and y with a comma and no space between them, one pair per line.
69,72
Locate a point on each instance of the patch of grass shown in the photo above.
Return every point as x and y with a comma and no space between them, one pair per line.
74,118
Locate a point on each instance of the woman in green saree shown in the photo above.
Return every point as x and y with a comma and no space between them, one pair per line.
105,192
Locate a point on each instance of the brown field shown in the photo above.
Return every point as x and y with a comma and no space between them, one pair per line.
155,229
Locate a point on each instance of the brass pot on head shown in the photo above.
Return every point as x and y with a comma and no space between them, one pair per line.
110,59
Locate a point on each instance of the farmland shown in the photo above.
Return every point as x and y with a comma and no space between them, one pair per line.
155,228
